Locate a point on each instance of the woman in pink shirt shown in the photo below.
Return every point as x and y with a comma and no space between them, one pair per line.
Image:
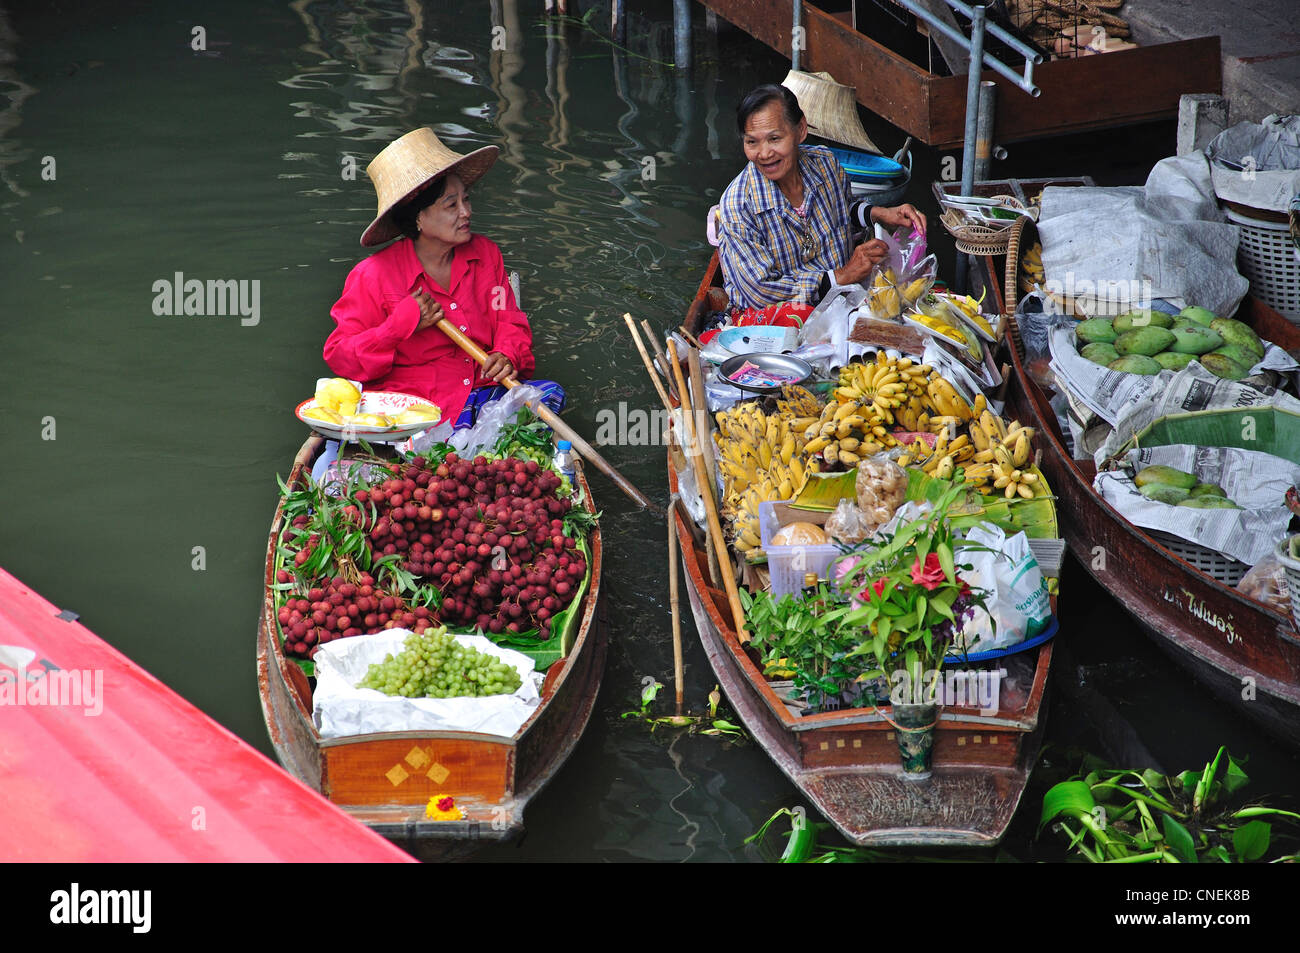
386,334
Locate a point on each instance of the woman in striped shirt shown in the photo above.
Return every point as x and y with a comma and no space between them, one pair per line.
786,222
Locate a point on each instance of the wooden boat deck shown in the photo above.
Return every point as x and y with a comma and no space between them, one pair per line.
1078,95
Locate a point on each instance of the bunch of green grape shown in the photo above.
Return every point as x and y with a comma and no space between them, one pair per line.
434,665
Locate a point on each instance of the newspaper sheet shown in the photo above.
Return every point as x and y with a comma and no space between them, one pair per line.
1255,481
1189,390
1108,394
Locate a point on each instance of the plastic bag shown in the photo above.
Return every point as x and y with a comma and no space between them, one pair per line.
911,250
881,488
494,415
1266,582
1257,164
847,525
1017,599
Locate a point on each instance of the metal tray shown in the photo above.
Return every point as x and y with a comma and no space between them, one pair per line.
776,363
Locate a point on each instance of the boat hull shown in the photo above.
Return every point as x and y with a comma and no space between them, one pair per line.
1243,652
386,780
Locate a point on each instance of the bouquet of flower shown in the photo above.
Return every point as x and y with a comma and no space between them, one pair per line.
910,598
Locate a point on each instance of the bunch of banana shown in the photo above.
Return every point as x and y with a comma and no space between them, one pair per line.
796,402
886,302
885,386
846,433
1031,263
760,457
1013,481
943,400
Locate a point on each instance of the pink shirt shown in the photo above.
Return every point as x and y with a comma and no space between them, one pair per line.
376,342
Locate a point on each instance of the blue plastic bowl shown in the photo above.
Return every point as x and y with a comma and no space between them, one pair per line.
866,167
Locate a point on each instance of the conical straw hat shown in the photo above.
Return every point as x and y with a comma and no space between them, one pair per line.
410,163
831,109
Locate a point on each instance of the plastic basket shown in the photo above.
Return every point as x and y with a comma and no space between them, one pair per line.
787,565
1223,568
1266,256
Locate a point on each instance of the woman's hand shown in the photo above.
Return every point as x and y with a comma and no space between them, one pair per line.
899,215
430,310
498,367
864,258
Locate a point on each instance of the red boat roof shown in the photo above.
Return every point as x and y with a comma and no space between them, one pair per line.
100,761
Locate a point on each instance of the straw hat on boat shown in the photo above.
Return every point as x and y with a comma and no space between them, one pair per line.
409,164
830,108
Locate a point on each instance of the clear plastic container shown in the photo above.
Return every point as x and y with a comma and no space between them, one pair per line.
563,460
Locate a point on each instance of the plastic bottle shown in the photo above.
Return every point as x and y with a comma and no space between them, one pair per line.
563,460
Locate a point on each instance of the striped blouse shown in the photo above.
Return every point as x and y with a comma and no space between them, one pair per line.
769,253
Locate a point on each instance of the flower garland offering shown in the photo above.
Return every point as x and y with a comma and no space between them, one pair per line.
443,808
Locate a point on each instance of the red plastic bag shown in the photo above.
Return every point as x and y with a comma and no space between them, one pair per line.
785,315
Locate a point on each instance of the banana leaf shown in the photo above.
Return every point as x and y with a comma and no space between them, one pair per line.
1266,429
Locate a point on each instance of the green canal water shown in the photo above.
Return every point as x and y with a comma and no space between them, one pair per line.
141,448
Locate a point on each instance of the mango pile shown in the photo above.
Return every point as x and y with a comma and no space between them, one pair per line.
1147,342
1175,487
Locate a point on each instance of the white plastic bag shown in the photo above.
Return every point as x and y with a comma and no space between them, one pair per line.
1017,593
340,709
494,415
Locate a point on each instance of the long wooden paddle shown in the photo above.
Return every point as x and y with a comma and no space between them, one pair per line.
552,420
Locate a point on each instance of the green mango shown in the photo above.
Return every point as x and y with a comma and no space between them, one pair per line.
1144,341
1208,503
1198,315
1170,476
1136,364
1220,365
1164,493
1234,332
1173,361
1096,331
1099,352
1194,339
1142,318
1239,354
1209,489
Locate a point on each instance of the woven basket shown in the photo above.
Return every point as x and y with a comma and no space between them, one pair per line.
1223,568
981,239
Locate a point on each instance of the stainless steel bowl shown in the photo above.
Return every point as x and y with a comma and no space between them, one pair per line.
782,364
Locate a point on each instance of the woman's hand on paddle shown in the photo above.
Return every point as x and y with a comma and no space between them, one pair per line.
899,215
498,367
865,257
430,310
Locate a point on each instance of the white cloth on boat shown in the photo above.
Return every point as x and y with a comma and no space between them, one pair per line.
1114,249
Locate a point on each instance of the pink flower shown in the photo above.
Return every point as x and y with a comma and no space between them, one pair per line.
932,576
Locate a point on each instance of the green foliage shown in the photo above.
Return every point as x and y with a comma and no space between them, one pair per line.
1125,816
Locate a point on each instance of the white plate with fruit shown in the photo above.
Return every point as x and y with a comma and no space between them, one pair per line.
341,410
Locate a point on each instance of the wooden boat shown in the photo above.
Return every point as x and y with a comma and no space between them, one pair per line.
847,762
1244,652
889,65
386,780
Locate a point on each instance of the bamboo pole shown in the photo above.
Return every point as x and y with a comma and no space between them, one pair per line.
660,356
710,506
675,603
706,444
649,365
552,420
